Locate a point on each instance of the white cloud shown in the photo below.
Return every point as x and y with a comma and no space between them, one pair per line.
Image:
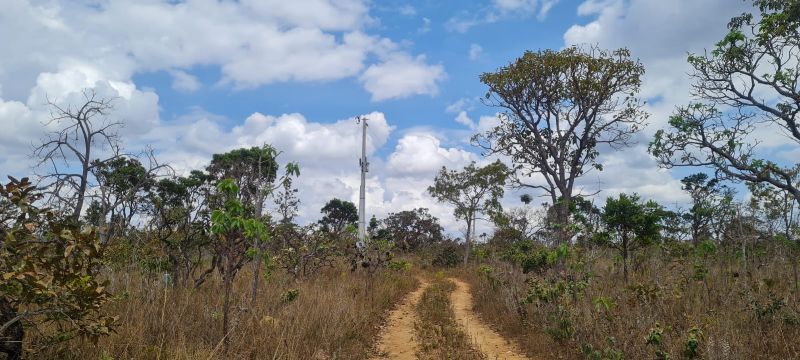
475,51
252,42
407,10
463,119
545,9
184,82
422,154
401,76
462,104
499,10
515,5
661,42
137,109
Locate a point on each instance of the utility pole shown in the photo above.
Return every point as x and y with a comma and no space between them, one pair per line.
362,196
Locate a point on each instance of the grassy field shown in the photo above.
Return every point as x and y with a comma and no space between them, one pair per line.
677,306
334,315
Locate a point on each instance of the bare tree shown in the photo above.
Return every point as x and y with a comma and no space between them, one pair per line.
82,132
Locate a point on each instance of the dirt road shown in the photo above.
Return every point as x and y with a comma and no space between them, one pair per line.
484,338
397,340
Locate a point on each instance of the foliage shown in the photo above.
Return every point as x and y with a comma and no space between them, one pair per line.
232,229
306,250
472,191
49,270
412,229
655,338
560,107
630,225
337,215
748,81
447,254
399,265
608,353
691,349
179,219
711,206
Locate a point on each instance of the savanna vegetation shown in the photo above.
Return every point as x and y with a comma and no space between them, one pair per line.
110,254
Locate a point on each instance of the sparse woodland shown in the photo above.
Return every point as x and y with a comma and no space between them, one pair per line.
110,254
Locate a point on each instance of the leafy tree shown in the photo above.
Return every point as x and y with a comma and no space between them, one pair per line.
49,270
412,229
337,215
255,170
232,229
179,218
123,184
780,212
288,203
749,81
307,249
711,202
471,191
374,229
630,225
559,109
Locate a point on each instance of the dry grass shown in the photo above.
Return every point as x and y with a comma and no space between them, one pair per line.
440,337
741,315
336,315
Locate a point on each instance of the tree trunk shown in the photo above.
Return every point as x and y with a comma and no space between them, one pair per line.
227,280
562,220
467,239
257,244
256,272
625,258
11,338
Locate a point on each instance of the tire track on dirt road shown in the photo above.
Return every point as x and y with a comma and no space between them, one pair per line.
397,338
484,338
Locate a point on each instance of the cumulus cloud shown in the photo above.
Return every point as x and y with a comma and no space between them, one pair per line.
252,42
422,154
401,76
137,109
661,42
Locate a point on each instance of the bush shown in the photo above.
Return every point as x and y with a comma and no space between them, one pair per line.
448,254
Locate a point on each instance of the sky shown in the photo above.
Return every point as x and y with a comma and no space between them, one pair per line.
197,77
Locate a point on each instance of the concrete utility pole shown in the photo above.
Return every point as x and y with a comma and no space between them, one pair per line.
362,196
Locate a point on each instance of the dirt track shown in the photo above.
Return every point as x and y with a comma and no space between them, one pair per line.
484,338
397,340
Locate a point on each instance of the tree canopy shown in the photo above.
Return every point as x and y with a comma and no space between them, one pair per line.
558,109
749,81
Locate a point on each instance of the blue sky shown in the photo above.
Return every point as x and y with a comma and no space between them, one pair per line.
197,77
326,101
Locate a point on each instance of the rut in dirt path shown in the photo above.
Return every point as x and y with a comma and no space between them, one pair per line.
484,338
397,340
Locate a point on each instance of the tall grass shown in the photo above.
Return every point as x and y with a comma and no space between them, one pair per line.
334,315
670,303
